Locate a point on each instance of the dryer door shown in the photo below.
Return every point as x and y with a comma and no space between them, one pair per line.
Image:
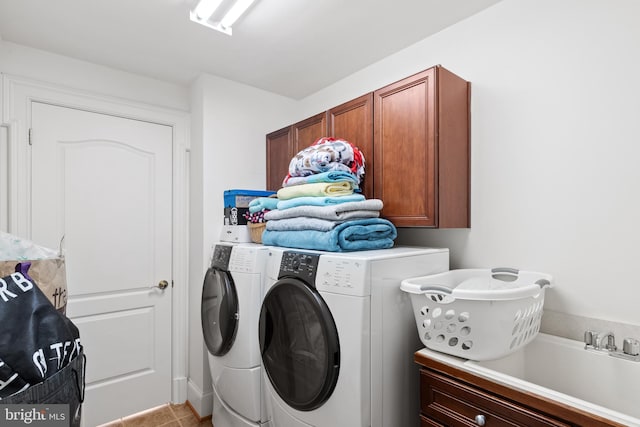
219,311
299,344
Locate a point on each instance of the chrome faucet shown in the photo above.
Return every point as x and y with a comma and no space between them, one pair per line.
595,341
611,341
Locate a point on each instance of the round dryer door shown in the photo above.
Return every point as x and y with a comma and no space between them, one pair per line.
299,344
219,311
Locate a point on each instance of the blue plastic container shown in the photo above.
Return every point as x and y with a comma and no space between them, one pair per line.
241,198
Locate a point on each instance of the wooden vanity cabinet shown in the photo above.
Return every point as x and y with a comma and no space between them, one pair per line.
453,397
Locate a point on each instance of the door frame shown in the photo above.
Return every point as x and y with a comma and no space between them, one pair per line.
17,95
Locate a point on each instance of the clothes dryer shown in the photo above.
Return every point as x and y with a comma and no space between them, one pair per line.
337,336
231,297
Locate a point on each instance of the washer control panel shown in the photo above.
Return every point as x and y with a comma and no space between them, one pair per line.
301,265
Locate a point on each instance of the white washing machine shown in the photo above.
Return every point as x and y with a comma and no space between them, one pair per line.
337,336
231,297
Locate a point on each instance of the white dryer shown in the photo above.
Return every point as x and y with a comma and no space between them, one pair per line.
337,336
231,297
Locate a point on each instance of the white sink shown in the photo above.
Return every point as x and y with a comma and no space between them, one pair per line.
563,370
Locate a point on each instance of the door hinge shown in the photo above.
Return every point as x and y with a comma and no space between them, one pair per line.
29,136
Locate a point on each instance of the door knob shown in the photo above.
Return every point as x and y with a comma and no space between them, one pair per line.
162,285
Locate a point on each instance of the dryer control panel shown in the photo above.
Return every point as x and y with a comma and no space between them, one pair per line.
301,265
221,255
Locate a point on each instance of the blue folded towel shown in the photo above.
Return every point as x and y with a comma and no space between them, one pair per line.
260,203
354,235
319,201
302,223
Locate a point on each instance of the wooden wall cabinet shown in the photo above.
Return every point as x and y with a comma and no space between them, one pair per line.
353,121
421,150
308,131
453,397
285,143
414,135
279,149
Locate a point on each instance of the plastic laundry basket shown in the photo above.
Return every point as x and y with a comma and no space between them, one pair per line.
478,314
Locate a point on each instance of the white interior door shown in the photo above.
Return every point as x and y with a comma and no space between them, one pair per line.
104,183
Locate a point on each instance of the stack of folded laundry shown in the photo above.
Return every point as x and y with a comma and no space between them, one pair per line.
319,205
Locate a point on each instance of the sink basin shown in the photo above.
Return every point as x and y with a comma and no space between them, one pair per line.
563,370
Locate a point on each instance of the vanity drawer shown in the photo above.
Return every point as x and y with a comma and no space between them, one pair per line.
455,403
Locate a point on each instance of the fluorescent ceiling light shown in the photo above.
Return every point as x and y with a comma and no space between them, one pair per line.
204,11
235,12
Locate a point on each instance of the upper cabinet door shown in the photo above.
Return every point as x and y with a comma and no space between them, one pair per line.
405,164
353,121
421,150
308,131
279,148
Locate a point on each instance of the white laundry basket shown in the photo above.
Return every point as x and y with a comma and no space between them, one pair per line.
478,314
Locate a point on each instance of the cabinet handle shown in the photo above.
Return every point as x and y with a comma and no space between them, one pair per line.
480,420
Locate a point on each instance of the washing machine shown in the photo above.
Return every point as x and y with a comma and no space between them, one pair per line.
231,297
337,336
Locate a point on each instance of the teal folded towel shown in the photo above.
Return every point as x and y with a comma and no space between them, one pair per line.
260,203
354,235
319,201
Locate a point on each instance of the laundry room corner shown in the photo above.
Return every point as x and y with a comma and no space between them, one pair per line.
229,121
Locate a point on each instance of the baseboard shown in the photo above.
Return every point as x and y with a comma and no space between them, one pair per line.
201,403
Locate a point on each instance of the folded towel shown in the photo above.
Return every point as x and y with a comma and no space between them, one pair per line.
329,176
260,203
302,223
342,188
356,235
364,209
318,201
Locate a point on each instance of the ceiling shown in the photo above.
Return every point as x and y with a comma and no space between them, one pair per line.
289,47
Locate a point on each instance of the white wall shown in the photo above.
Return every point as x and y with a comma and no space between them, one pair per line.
555,107
49,67
229,124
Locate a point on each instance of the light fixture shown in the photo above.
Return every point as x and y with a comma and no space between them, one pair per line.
205,10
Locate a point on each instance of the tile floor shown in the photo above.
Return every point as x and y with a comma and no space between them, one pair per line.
168,415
